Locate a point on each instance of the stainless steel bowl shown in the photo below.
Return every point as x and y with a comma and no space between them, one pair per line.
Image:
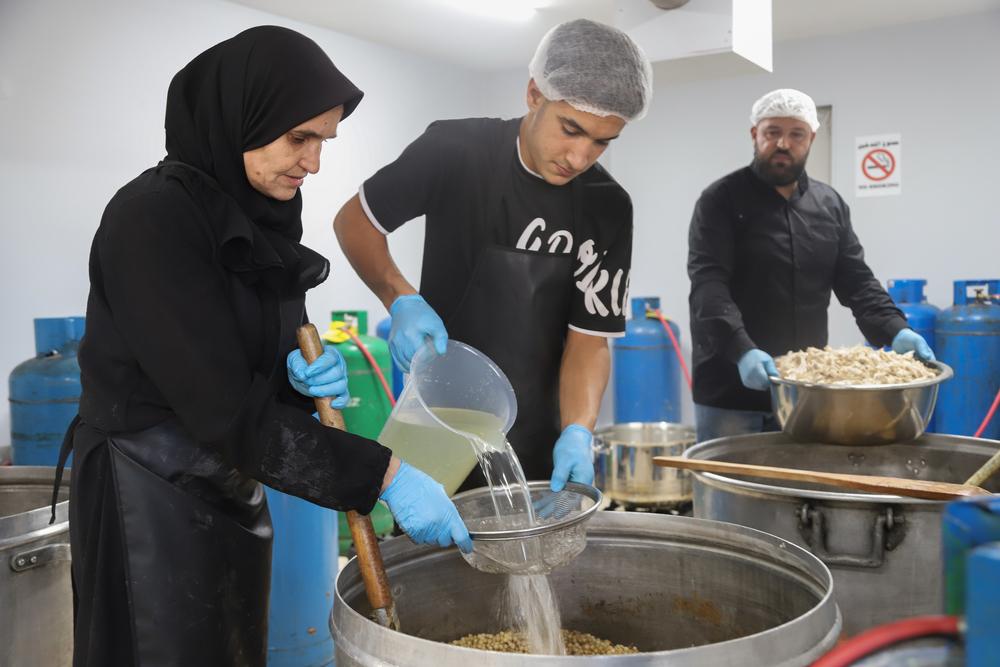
859,414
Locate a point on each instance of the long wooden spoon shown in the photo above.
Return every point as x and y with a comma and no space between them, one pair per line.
365,542
915,488
987,470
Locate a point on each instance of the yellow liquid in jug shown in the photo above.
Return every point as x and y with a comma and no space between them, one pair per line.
446,456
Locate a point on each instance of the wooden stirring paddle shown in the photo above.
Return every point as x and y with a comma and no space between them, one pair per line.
987,470
365,542
914,488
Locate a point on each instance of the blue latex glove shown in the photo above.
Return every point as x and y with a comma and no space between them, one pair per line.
325,377
755,367
413,321
424,511
908,340
572,458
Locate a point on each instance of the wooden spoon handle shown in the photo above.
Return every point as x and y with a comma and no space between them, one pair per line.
312,347
365,542
986,471
915,488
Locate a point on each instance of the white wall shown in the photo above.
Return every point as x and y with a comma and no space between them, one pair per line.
82,93
936,83
82,90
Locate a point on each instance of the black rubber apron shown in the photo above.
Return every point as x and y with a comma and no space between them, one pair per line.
171,545
515,310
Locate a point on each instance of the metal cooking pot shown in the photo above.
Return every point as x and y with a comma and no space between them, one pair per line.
36,597
884,551
623,463
689,592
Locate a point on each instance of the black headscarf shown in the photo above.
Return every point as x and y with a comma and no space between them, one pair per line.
242,94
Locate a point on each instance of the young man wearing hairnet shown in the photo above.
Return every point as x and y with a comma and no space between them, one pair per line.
528,241
767,245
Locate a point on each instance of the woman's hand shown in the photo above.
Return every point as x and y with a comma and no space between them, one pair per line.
324,378
422,508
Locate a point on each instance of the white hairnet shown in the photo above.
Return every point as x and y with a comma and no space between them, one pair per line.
595,68
785,103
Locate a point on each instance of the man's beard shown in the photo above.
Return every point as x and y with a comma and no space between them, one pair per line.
777,176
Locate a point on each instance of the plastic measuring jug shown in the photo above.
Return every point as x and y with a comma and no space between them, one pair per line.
452,404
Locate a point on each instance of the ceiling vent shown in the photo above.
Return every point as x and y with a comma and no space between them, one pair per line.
737,28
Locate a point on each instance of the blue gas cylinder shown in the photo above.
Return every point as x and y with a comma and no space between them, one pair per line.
303,574
968,339
922,316
45,392
382,331
647,381
970,536
982,637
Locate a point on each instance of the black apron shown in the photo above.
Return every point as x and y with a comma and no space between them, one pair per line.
515,310
171,546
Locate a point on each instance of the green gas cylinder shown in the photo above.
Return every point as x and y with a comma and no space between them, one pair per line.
369,407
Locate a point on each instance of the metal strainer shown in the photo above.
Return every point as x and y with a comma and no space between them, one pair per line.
509,545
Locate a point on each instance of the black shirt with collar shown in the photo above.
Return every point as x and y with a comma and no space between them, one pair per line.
762,269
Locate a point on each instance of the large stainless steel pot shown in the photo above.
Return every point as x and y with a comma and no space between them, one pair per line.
884,551
36,598
691,592
624,469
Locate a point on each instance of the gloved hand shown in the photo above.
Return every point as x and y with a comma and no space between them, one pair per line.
572,457
325,377
755,367
908,340
424,511
412,321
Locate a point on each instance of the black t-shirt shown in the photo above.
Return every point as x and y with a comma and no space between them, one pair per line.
446,174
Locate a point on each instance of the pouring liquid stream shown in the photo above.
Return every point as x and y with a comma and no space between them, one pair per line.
529,605
448,455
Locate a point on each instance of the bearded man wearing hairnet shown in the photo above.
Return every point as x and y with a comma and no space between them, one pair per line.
766,247
528,241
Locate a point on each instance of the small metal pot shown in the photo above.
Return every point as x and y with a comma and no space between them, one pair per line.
624,469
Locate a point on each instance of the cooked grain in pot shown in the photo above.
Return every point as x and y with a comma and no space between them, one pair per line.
858,365
577,643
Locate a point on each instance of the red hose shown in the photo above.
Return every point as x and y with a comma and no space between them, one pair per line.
677,346
884,636
989,415
372,363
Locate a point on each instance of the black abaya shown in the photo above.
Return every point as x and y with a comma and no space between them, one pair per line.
197,286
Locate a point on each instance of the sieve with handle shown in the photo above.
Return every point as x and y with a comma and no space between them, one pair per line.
510,544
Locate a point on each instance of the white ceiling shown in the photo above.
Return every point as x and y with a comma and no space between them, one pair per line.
449,31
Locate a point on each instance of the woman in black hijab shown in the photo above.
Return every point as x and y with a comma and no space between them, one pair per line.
198,284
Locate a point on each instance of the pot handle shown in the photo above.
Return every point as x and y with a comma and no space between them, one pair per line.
888,531
598,446
50,553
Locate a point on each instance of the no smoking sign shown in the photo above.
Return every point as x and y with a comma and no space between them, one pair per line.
878,161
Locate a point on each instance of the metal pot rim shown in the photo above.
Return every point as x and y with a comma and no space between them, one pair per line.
945,372
665,426
791,492
29,525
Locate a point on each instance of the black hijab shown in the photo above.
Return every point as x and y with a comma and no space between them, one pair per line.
239,95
